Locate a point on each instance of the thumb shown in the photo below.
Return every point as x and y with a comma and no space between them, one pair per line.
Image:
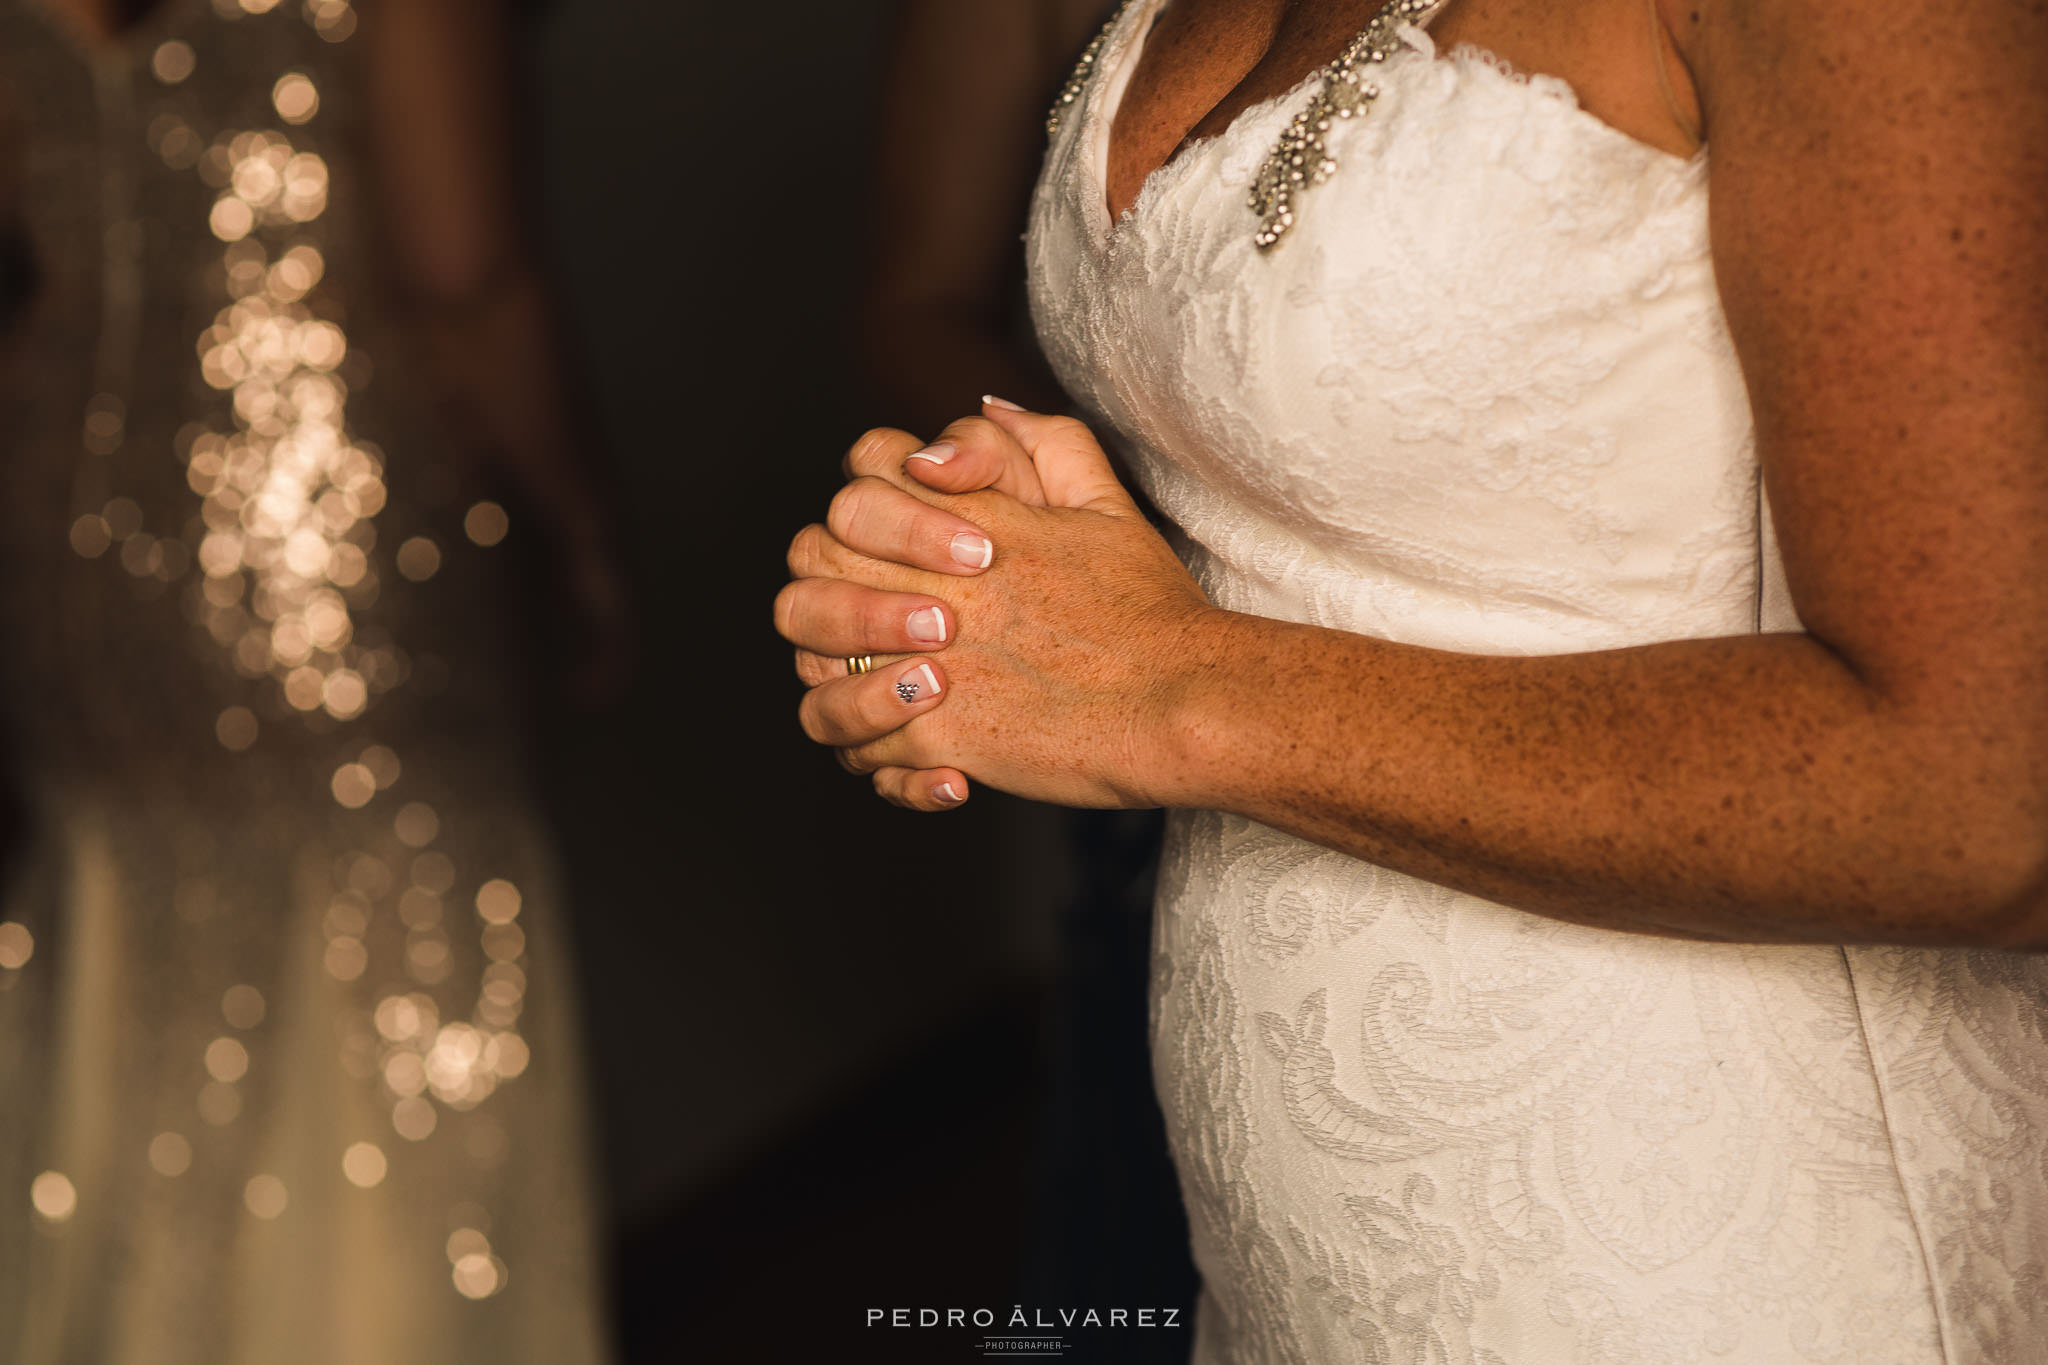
1072,467
972,454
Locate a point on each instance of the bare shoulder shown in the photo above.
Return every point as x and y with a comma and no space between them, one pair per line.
1878,180
1902,59
1879,172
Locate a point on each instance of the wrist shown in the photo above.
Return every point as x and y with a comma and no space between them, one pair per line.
1185,750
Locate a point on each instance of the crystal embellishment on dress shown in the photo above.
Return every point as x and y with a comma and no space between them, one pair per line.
1083,69
1303,157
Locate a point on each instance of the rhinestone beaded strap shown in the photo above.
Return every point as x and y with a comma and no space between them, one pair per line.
1303,157
1083,69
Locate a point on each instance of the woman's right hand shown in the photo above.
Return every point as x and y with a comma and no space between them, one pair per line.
881,515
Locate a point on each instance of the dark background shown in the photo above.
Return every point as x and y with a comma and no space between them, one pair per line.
822,1031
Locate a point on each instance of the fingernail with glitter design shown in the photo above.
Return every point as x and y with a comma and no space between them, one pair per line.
1005,404
927,626
938,452
917,684
976,552
947,794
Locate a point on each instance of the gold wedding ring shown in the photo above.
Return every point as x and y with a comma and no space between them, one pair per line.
860,664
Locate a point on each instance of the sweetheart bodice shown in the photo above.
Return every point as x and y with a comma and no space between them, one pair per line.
1487,363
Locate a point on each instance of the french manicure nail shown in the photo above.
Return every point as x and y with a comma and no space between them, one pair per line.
938,452
917,683
944,791
1003,403
928,626
976,552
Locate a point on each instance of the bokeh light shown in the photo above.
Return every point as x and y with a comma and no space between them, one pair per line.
17,945
279,566
172,62
53,1196
170,1154
364,1165
242,1006
295,98
265,1196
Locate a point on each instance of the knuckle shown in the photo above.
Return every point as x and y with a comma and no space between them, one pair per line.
806,552
809,720
984,507
852,507
975,430
785,610
936,530
883,622
981,441
879,706
874,448
840,510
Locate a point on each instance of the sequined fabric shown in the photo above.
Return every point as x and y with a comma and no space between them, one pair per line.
1482,399
1303,160
284,1018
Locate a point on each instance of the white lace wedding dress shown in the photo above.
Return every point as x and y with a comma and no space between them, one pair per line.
1481,398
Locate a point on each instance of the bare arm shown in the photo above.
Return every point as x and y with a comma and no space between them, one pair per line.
1880,232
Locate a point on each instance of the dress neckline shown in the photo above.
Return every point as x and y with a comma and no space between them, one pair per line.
1136,25
1124,62
1120,61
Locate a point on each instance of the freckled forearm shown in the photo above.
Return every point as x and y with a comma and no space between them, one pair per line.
1746,788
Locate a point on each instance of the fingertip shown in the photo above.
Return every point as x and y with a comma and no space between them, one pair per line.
956,473
1005,416
971,552
927,627
918,681
931,790
1015,421
890,785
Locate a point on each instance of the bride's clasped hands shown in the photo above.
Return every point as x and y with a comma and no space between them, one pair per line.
1030,630
1027,623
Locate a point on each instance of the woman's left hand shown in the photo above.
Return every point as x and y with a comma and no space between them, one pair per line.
1066,652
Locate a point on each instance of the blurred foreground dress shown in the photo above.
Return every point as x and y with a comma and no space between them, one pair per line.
286,1067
